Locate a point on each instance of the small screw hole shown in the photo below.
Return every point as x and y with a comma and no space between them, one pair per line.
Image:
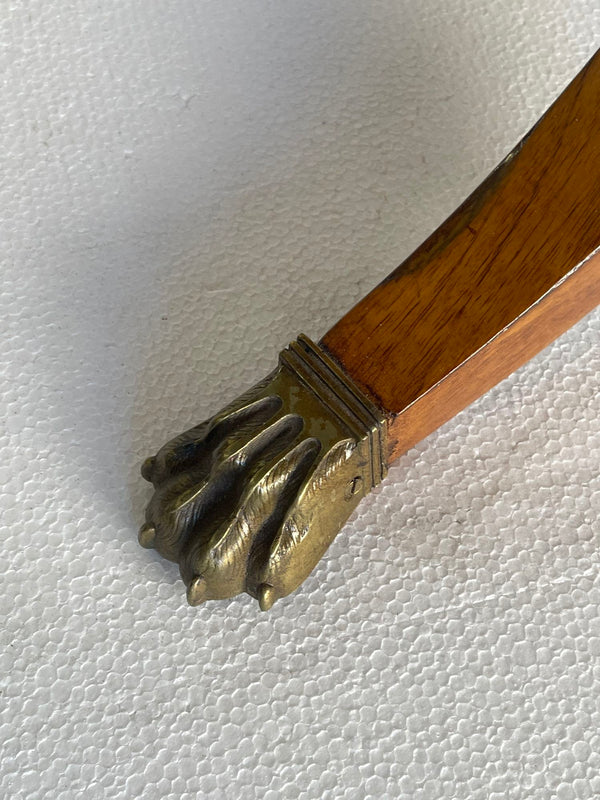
353,487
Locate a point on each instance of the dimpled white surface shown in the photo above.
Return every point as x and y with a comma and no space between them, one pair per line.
185,187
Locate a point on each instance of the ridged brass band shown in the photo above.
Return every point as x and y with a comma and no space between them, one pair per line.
335,389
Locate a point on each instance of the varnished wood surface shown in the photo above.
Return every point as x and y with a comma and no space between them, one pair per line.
514,267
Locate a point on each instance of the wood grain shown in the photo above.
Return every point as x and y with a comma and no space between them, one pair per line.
514,267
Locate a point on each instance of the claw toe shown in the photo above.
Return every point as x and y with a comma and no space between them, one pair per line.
266,596
196,592
147,535
148,468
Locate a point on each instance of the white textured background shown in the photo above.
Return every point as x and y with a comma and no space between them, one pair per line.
184,187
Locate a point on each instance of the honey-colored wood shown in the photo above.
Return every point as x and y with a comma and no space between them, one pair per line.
514,267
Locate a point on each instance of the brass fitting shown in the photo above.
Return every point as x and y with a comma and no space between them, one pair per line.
251,499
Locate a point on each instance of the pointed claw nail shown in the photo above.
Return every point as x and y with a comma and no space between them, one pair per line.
146,535
148,468
196,592
266,596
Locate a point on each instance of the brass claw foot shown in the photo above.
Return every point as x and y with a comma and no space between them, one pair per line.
250,500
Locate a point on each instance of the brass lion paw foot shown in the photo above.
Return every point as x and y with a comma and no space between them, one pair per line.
250,500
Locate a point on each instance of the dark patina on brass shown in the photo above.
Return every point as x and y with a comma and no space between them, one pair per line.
250,500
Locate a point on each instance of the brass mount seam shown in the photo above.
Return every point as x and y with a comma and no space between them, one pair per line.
333,387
